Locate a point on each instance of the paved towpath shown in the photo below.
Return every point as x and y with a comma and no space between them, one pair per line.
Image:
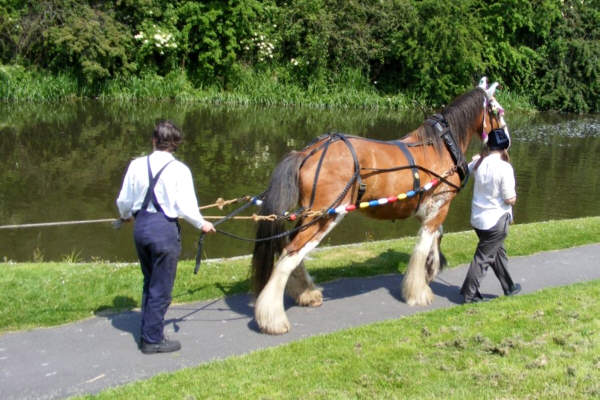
101,352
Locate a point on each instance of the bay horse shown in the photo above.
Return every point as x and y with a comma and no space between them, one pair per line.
338,173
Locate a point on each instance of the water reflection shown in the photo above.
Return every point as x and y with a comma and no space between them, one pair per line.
66,162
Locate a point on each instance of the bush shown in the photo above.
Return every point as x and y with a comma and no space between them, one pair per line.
91,43
545,51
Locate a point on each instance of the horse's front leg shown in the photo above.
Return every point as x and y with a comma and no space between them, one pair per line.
425,260
415,288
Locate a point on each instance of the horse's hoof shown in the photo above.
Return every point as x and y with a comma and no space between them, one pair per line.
424,298
311,298
275,328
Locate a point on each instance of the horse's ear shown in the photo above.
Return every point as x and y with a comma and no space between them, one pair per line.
483,83
492,89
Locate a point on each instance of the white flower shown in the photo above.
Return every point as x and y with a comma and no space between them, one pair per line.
139,36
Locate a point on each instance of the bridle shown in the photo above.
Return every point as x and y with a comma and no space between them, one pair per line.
492,107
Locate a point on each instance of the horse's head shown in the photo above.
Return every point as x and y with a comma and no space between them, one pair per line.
493,113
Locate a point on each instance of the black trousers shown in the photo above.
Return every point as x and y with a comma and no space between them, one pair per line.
158,245
490,252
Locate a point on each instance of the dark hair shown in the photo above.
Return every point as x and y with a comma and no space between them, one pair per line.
498,140
166,136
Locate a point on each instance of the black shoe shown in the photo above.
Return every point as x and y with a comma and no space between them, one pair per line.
477,298
469,300
166,346
516,288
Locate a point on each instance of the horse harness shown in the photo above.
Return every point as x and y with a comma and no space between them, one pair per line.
445,133
437,121
441,126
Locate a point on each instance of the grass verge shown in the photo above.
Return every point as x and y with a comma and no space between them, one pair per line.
544,345
348,89
47,294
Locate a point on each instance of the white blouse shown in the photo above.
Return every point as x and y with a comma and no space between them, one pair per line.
494,183
174,189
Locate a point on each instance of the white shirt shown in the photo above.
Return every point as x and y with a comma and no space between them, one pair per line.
494,183
174,190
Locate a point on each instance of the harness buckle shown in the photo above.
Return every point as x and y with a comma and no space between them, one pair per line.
362,188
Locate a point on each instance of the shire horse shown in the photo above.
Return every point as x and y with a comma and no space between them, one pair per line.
341,173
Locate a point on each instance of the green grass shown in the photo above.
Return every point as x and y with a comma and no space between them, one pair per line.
539,346
48,294
268,87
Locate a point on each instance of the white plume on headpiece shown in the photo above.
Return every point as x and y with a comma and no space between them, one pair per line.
492,89
483,83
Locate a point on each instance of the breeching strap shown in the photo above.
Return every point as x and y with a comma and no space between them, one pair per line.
355,177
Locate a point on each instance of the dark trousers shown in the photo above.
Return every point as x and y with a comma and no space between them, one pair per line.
158,245
490,253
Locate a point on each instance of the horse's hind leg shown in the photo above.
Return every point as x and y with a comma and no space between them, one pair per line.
269,311
301,288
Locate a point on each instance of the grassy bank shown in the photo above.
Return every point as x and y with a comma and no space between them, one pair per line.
250,88
539,346
46,294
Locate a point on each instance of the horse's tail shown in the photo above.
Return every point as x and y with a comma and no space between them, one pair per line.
283,194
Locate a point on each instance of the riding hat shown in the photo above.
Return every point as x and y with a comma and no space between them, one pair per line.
498,139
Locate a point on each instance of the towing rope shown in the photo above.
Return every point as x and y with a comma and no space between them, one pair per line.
43,224
289,216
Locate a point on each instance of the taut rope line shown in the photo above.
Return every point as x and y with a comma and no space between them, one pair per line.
220,203
43,224
252,217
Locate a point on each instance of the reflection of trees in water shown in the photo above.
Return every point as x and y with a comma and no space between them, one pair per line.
66,161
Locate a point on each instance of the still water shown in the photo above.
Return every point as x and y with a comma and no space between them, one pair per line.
65,162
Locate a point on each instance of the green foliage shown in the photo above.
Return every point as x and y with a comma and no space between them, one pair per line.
212,34
18,83
319,39
570,71
516,29
544,50
440,52
91,43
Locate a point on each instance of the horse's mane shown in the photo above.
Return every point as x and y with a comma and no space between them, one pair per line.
459,114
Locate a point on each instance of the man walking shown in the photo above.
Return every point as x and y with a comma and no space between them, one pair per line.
157,190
